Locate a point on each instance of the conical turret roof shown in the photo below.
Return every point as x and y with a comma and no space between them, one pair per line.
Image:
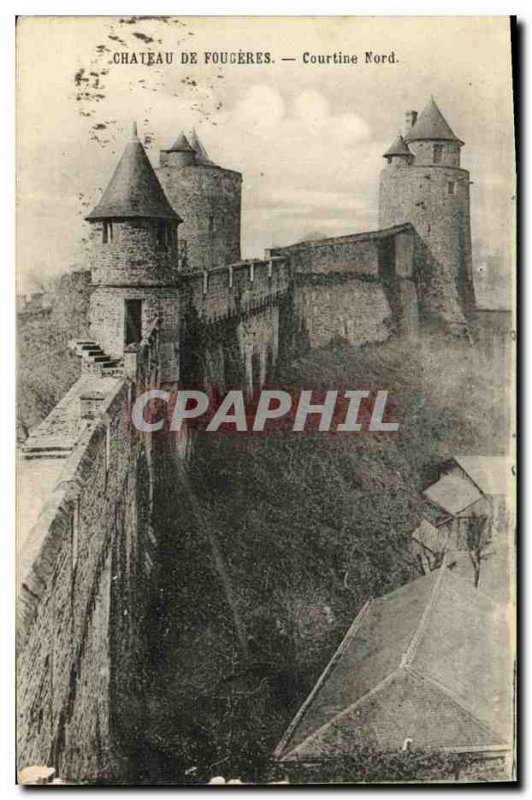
431,124
398,148
134,189
202,156
181,145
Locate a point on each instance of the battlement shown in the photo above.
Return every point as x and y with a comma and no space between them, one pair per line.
236,289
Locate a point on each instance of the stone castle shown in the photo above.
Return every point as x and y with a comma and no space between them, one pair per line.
172,300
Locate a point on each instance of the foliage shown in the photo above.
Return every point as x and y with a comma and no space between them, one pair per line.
45,367
271,543
478,538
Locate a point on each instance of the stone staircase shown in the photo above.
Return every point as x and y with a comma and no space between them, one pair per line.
94,360
32,452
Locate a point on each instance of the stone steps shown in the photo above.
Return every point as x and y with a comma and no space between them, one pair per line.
94,358
33,453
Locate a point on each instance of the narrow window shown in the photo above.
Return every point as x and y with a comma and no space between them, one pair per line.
133,314
107,232
451,187
161,234
437,153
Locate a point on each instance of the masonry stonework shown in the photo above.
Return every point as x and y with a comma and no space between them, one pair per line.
209,199
197,314
423,184
80,605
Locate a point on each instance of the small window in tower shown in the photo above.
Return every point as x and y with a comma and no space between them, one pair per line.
107,232
437,153
451,187
133,321
161,234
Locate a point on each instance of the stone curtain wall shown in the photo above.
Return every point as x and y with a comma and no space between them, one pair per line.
230,324
236,289
359,288
81,605
354,310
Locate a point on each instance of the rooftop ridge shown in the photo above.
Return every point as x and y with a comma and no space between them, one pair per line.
323,677
410,651
345,711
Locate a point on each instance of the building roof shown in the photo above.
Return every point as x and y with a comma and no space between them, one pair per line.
202,156
398,148
181,145
491,474
431,124
430,661
134,189
453,494
434,539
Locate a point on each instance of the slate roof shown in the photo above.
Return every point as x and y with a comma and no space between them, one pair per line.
181,145
202,156
431,124
134,189
453,494
398,148
491,474
430,662
434,539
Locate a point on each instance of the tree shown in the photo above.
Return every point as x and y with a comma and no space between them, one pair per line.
478,538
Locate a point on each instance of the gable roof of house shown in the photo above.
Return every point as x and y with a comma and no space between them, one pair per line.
453,494
491,474
429,662
134,190
434,539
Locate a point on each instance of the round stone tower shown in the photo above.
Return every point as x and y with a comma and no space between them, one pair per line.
424,184
134,263
209,199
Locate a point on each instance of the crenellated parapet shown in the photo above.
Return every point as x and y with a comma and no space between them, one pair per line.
237,289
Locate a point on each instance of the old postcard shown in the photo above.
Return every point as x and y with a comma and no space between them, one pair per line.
266,400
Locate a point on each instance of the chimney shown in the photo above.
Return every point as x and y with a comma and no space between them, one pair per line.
410,121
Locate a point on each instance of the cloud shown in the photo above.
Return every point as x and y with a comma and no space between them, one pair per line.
305,167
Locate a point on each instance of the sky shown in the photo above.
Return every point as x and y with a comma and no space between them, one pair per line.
308,138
